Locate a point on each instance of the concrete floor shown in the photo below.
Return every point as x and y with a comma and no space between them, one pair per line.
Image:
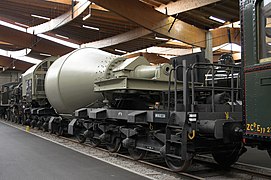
256,157
27,157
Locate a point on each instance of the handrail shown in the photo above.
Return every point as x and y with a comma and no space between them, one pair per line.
175,85
207,66
233,91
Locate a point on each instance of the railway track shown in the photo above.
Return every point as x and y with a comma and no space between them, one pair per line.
153,167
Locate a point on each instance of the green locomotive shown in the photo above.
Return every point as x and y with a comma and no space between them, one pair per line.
256,55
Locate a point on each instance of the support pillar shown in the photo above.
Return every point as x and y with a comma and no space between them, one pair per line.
209,47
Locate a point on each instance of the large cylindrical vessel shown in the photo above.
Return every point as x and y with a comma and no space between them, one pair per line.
70,79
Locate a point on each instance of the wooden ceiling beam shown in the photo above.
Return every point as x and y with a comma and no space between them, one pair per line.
200,21
151,57
183,5
152,3
155,58
60,20
33,42
68,2
5,43
155,21
221,36
37,4
108,15
8,63
121,38
220,14
111,22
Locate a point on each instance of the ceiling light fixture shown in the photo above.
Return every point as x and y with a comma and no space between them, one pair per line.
90,27
40,17
20,24
47,37
217,19
43,54
160,38
121,51
177,41
65,37
59,41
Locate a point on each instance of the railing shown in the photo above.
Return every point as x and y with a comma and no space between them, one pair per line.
217,67
232,73
175,88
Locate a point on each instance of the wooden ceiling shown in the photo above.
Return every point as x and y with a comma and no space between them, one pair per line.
111,23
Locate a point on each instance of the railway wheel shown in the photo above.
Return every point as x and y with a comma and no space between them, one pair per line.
228,158
33,124
178,165
14,118
8,115
51,131
39,124
44,127
19,119
136,154
114,146
81,138
94,142
28,121
59,131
